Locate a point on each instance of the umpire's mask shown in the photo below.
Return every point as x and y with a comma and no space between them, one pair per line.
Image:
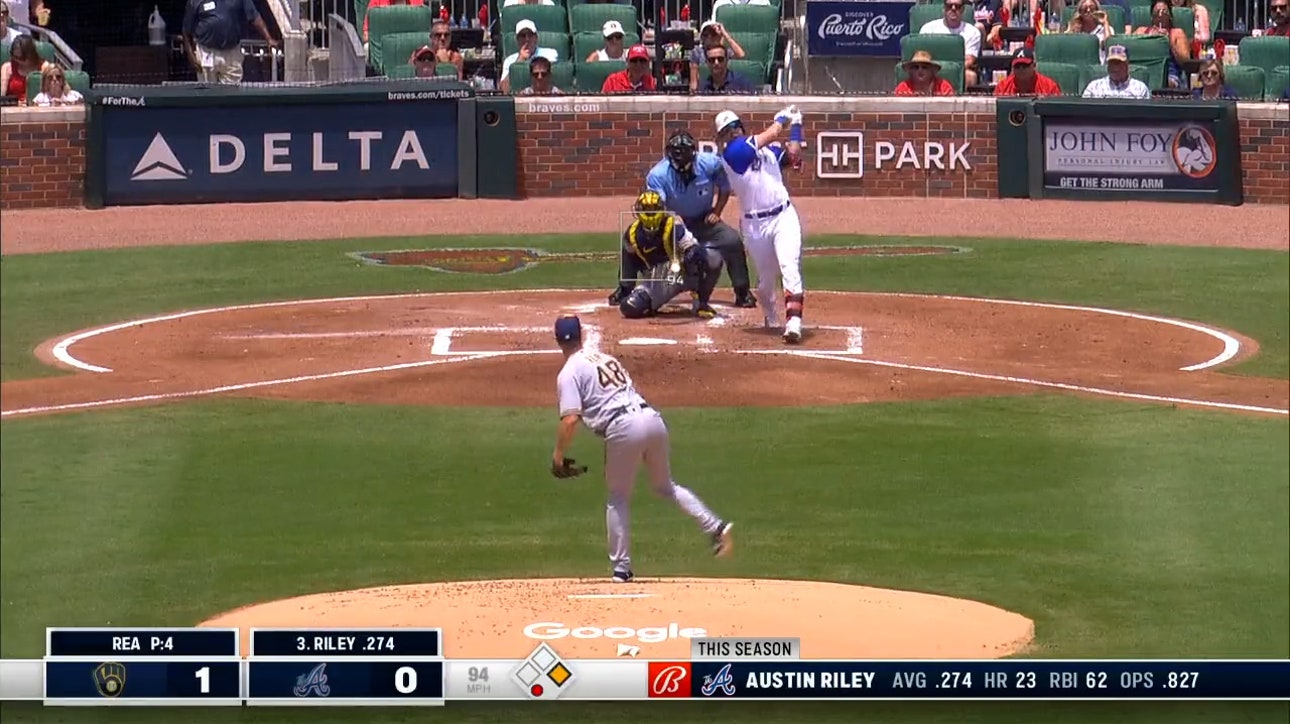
681,148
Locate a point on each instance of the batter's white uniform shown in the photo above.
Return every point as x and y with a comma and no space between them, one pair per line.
771,228
597,387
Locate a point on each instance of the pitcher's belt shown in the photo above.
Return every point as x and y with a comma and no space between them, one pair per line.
624,410
769,212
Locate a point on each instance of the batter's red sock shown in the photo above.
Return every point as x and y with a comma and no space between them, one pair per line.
793,304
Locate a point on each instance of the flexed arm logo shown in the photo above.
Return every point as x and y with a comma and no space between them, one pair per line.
315,682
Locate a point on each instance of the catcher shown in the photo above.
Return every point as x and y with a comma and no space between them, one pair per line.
672,261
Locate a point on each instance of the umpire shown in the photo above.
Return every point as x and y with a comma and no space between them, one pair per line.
694,186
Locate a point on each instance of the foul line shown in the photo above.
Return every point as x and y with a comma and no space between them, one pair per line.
244,386
1042,383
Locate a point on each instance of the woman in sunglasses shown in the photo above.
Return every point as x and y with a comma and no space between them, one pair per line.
1090,18
1213,82
54,90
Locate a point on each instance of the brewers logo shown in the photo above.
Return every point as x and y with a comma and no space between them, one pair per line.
109,679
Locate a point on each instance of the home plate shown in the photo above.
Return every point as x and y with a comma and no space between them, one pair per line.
646,341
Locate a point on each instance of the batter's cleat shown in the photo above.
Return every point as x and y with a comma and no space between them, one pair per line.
793,330
722,541
745,300
623,576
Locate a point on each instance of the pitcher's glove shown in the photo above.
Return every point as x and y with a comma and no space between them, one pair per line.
567,469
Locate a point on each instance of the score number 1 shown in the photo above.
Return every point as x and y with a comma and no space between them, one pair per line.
204,676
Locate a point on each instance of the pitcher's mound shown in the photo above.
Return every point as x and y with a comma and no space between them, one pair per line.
588,618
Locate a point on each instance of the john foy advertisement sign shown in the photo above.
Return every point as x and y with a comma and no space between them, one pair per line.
1131,156
280,152
856,27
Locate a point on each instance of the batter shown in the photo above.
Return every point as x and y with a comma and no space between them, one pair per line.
595,388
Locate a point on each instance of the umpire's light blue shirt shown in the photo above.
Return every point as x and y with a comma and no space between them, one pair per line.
691,201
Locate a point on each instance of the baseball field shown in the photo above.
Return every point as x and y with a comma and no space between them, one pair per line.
986,446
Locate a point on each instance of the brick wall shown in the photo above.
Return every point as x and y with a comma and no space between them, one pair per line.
594,146
42,157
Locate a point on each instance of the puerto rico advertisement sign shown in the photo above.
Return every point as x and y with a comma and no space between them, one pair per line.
856,27
1131,156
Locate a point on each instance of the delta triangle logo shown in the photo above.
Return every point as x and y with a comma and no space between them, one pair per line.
159,163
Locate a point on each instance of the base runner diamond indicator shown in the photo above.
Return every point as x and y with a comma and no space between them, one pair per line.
543,675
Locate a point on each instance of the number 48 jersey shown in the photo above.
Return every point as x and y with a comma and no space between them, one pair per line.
596,386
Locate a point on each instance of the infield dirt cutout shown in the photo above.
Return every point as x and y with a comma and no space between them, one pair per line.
589,618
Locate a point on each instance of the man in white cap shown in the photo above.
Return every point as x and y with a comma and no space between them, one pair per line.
614,48
526,34
1117,83
771,229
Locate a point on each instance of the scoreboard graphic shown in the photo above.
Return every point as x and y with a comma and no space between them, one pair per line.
406,667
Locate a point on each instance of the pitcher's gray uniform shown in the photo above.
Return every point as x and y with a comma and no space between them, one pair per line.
596,388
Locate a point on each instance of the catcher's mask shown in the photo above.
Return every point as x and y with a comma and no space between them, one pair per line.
649,210
681,148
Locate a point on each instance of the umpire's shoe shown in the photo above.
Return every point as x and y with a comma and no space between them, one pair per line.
723,543
744,298
704,311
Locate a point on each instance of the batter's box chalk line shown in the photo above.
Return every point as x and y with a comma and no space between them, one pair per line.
444,336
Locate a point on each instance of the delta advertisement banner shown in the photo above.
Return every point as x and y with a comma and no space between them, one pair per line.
856,27
1131,156
158,155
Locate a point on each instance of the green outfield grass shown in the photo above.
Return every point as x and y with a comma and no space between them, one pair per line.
1123,529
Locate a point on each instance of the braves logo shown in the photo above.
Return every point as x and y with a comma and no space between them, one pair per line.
723,681
313,682
668,681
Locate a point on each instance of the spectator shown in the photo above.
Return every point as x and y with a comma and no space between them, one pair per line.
711,35
1279,14
1201,16
1025,80
722,3
613,50
1117,83
213,37
428,57
509,3
922,78
952,24
983,15
540,79
54,90
636,79
998,9
1091,19
526,34
1162,23
23,59
723,80
7,34
1213,82
382,4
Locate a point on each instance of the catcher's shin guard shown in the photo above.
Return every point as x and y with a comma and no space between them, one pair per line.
793,304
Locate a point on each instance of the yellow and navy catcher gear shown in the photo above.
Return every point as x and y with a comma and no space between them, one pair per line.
650,211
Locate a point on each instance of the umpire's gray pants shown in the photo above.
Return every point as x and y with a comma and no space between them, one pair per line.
727,242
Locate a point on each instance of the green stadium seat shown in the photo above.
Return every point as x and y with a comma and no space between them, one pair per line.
1276,83
408,70
951,70
1267,52
46,51
749,19
561,76
77,80
1073,48
397,48
391,19
759,47
920,15
942,47
4,53
1067,76
1249,81
591,18
547,18
559,42
590,77
1149,51
585,44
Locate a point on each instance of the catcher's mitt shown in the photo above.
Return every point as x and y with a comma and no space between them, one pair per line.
567,469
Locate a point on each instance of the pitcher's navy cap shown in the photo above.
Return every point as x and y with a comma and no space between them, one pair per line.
568,328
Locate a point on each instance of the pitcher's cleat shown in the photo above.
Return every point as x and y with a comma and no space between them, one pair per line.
723,543
623,576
